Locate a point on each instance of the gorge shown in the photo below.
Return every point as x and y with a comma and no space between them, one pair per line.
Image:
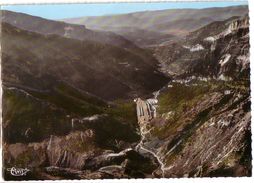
68,90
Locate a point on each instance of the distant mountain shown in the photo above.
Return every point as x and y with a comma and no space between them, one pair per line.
142,37
47,27
175,22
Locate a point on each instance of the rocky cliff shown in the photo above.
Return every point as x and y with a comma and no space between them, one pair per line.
218,50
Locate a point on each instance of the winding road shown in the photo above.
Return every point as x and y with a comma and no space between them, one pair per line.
144,115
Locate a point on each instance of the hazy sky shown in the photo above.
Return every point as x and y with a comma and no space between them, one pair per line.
78,10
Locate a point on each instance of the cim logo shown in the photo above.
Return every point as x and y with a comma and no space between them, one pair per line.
18,171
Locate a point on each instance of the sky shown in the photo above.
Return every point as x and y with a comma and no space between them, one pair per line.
61,11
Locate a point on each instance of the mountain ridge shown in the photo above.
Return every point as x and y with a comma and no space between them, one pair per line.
176,22
165,16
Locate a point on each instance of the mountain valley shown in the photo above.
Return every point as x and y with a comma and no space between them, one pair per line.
88,104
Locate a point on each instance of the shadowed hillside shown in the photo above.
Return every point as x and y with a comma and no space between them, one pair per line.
109,72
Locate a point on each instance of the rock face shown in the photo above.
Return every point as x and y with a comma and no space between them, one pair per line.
209,136
223,52
76,156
